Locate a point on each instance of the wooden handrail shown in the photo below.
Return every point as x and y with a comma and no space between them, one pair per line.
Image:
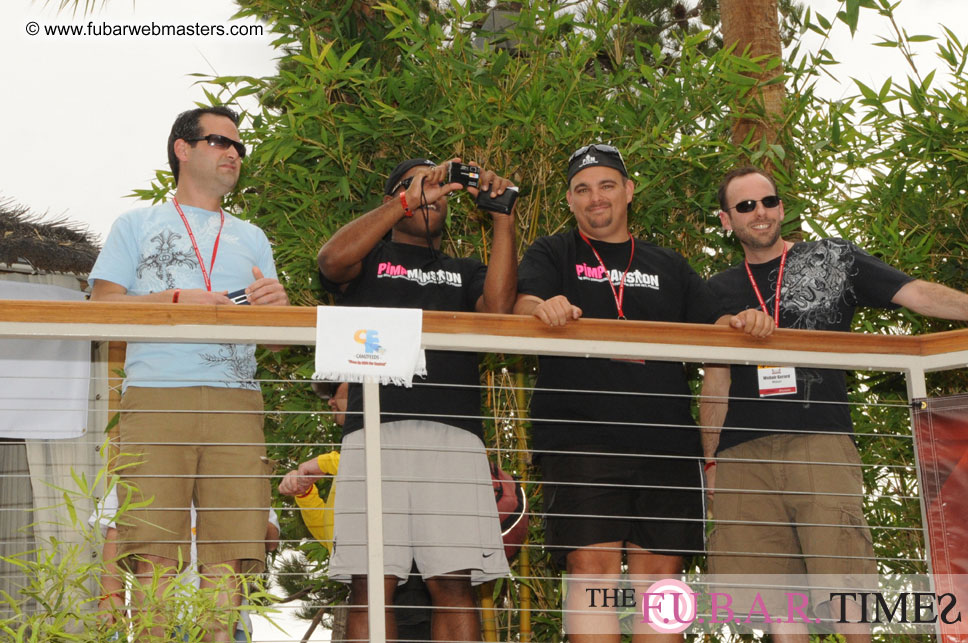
54,312
944,342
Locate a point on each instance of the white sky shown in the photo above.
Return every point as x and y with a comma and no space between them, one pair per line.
86,118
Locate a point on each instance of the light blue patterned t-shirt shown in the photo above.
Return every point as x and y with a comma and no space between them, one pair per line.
148,250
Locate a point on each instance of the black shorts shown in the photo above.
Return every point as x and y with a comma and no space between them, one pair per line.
651,501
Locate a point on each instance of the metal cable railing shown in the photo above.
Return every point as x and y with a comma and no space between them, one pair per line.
504,421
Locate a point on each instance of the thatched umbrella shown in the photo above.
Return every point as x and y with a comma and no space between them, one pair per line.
51,246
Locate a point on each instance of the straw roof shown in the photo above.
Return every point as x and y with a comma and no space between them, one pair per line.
53,246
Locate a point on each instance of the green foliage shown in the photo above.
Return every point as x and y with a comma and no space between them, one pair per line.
60,590
912,196
56,583
363,85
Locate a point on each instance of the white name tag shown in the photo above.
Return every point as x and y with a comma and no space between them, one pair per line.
776,380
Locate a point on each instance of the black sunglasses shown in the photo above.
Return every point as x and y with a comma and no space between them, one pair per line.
221,142
405,183
750,204
598,147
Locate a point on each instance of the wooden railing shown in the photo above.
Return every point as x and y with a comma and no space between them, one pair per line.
911,355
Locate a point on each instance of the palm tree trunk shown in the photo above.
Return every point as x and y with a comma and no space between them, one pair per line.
754,27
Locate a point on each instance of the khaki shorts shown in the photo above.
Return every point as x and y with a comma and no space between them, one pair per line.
201,444
767,526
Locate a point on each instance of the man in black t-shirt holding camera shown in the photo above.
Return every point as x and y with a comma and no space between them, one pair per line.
439,509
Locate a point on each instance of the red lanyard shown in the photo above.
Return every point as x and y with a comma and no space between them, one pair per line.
620,295
191,235
779,282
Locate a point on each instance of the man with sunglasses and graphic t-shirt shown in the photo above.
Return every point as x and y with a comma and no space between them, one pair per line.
191,414
612,435
791,498
439,509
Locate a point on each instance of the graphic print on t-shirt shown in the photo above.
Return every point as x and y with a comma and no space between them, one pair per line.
633,279
236,360
388,269
817,283
823,284
164,257
806,378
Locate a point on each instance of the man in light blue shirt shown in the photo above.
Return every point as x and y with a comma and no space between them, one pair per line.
191,414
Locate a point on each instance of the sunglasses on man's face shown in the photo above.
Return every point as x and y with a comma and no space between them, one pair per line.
598,147
750,204
406,183
220,142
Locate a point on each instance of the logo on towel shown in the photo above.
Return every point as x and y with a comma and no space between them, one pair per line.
370,340
357,344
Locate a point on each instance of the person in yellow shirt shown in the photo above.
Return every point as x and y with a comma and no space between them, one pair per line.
317,512
300,483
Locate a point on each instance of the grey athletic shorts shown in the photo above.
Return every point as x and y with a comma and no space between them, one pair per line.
438,505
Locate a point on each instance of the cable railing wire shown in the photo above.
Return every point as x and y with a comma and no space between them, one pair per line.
514,417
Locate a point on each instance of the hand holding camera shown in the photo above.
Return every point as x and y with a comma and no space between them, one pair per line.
261,292
427,185
492,193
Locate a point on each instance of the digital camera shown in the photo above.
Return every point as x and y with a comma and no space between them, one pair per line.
501,204
239,297
467,175
470,177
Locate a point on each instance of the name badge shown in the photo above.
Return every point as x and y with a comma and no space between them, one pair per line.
776,380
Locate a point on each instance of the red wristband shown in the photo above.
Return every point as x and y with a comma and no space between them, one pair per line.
709,465
403,202
111,595
174,296
308,492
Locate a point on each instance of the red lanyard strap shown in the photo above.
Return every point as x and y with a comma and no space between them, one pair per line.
620,295
779,283
191,235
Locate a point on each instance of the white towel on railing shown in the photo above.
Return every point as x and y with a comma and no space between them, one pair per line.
354,343
45,387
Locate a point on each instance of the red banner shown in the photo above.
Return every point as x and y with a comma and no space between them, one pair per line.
941,438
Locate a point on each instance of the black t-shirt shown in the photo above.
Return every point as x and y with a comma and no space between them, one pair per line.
660,286
397,275
823,283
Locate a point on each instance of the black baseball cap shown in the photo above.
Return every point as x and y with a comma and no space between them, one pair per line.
593,155
402,169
